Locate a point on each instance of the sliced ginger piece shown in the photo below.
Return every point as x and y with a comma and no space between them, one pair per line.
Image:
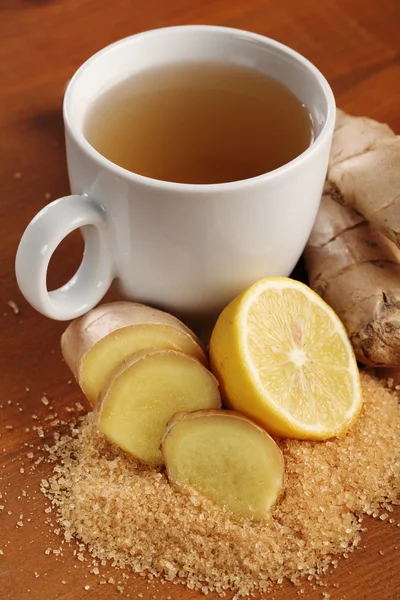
145,392
226,457
95,344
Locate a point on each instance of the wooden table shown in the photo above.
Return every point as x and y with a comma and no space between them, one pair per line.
356,43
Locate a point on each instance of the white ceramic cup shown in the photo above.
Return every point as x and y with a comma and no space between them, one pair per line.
186,248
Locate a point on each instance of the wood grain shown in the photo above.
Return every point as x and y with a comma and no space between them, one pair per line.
356,44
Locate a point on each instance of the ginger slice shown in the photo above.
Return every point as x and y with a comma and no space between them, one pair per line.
97,343
226,457
143,395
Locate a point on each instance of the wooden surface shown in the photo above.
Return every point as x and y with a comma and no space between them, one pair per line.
356,43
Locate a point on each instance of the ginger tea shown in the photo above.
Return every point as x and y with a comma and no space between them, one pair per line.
199,123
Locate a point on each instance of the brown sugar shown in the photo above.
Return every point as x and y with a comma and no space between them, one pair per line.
128,514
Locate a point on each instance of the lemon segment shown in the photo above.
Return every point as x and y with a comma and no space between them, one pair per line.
283,358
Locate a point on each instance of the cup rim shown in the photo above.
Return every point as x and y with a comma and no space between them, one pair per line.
105,163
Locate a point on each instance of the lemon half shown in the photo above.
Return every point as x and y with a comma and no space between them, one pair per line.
283,358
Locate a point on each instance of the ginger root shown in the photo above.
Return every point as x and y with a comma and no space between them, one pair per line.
364,170
356,270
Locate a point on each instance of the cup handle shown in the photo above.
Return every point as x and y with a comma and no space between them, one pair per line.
40,239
